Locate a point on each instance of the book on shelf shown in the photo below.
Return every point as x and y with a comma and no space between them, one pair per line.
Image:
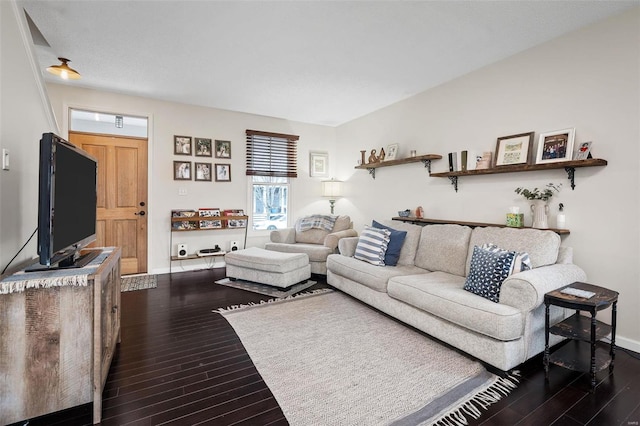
183,213
210,224
234,212
184,225
208,212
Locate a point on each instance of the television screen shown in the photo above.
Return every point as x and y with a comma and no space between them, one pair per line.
66,202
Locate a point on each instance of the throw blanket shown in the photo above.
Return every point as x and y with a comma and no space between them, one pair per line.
316,221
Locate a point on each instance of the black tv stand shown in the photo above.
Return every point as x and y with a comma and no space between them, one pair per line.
68,262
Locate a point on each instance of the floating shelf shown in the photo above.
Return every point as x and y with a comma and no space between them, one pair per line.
424,221
425,159
568,166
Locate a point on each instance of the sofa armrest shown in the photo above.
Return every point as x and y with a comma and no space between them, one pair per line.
285,235
332,239
347,246
526,290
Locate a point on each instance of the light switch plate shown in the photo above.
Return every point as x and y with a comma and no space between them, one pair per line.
182,191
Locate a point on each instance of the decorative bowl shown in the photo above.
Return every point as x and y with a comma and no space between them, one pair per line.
404,213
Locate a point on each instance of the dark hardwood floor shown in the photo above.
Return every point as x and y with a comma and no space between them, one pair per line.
181,364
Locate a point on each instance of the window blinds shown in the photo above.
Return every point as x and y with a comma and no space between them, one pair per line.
271,154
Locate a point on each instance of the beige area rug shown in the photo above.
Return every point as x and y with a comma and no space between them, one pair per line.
267,290
138,282
330,360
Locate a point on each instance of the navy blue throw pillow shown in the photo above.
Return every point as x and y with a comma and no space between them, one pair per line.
488,270
395,244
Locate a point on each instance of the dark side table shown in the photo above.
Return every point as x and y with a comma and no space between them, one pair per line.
584,330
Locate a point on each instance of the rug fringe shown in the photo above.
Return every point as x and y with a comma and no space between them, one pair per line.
480,402
275,300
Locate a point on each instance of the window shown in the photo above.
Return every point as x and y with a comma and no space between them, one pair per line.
271,163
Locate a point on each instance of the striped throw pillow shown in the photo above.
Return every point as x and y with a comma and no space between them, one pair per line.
522,262
372,245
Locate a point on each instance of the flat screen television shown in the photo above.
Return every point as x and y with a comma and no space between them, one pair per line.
67,199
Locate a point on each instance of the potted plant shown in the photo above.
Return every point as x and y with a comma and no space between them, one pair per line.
540,197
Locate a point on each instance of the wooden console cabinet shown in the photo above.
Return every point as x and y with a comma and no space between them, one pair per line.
57,343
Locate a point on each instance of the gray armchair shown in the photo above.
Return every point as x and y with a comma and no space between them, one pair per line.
315,242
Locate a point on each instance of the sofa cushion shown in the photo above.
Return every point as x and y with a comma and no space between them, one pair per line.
316,253
442,295
317,236
488,270
542,246
372,245
366,274
410,246
444,248
396,241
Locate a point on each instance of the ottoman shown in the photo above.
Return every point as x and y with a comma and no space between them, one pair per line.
268,267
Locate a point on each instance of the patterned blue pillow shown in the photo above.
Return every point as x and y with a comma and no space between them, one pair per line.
488,270
396,240
372,245
522,262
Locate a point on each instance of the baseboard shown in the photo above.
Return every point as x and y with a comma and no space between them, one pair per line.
632,345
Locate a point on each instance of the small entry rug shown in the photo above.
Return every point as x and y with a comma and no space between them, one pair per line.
138,282
266,289
330,360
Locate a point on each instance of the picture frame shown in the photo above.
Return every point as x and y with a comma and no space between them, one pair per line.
223,149
203,172
392,152
181,145
203,147
514,149
182,170
556,146
223,172
318,164
583,151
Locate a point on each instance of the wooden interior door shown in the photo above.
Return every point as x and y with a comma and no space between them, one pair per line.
122,195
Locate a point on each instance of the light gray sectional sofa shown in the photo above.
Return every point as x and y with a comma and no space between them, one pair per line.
425,289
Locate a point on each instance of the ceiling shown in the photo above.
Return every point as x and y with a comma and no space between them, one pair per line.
322,62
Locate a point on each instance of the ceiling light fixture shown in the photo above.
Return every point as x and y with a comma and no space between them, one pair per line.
63,70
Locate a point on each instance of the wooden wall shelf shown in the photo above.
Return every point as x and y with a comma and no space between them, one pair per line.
568,166
425,159
425,221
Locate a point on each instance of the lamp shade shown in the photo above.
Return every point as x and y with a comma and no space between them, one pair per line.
64,71
332,188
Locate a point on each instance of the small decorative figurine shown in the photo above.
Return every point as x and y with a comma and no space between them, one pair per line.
382,155
419,212
362,154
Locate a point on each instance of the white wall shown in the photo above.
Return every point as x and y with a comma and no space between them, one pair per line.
589,80
168,119
24,116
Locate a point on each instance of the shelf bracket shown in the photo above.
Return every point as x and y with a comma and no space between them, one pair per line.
454,182
427,164
571,171
372,171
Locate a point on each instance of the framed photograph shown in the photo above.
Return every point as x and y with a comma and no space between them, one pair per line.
203,172
203,147
514,149
223,172
182,145
318,164
223,149
554,147
182,170
583,151
392,152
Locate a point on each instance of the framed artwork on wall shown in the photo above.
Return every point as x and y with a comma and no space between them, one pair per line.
554,147
182,170
318,164
392,152
223,172
203,147
223,149
203,172
514,149
182,145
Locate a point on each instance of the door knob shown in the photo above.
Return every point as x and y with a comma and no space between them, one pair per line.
142,213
